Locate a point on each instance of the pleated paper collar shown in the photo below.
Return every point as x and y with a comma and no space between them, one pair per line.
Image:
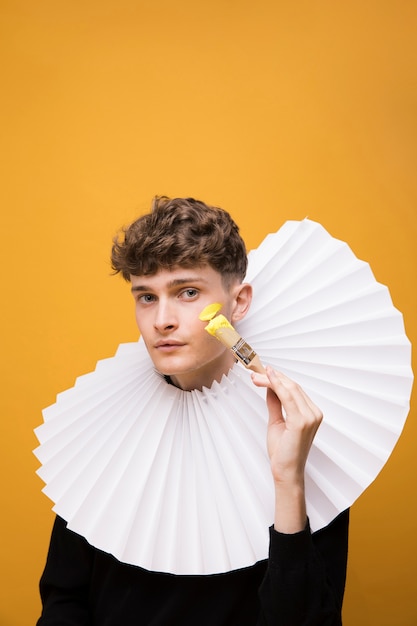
179,482
169,480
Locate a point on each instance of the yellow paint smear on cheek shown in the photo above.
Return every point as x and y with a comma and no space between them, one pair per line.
210,311
217,325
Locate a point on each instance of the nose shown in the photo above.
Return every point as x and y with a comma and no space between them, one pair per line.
165,317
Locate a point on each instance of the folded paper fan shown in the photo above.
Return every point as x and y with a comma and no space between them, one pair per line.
319,316
123,451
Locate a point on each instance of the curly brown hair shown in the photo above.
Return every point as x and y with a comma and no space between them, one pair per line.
180,232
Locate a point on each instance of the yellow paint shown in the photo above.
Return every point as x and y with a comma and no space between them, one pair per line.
210,311
274,111
217,323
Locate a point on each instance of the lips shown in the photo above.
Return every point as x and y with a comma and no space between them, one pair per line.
168,344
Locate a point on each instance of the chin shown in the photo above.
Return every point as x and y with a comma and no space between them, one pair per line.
173,369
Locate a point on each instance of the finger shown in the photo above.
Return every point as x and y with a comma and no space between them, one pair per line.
289,384
274,406
260,380
278,383
293,398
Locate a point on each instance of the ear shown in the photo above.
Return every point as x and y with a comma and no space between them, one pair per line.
242,301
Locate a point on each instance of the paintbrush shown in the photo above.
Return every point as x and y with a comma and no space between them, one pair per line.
222,329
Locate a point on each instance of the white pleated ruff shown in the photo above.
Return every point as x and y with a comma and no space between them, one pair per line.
179,482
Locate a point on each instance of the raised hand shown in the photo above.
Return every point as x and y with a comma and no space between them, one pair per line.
293,423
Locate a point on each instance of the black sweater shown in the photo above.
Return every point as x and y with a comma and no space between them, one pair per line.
302,583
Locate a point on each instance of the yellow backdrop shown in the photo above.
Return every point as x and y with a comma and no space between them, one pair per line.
274,110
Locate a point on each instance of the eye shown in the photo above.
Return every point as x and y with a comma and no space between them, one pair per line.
146,298
190,293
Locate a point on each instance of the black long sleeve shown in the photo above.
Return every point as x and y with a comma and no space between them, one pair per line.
305,578
301,583
66,580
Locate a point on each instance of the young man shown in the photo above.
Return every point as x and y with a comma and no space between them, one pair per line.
179,258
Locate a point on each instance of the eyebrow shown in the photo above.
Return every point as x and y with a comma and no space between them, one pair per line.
177,282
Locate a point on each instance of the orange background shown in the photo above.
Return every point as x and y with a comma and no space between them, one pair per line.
274,110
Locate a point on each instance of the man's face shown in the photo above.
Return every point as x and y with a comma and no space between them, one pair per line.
167,308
